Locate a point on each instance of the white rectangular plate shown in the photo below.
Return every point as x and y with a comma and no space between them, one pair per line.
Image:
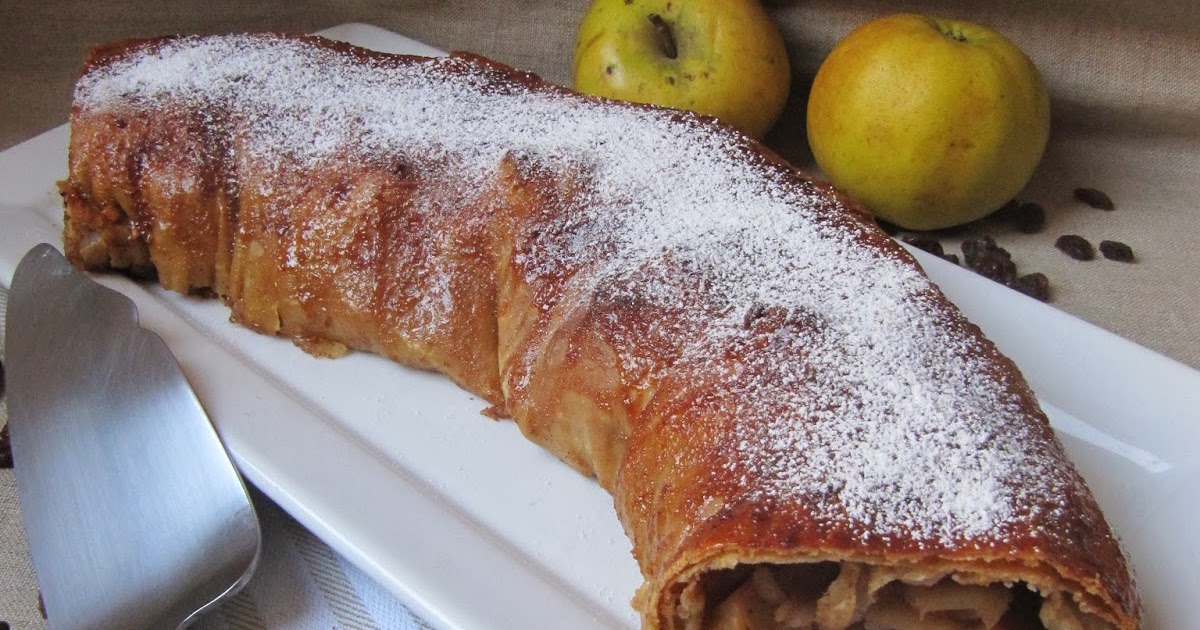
474,527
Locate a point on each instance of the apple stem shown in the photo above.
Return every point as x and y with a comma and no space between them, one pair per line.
666,39
952,31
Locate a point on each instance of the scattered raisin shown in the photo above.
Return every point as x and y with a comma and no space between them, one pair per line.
1094,198
1029,218
1035,285
972,248
984,257
950,258
4,625
925,243
6,460
1116,250
996,265
1075,246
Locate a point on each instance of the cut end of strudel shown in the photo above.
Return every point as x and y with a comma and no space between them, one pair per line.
797,428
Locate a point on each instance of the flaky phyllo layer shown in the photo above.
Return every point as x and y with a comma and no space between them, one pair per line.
756,373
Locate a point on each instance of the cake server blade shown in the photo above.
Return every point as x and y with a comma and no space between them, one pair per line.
135,515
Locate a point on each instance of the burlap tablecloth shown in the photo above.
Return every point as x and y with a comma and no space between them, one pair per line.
1123,76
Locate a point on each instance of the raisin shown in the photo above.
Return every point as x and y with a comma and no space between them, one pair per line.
1094,198
1029,218
6,460
951,258
996,265
1116,250
972,248
1035,285
1075,246
925,243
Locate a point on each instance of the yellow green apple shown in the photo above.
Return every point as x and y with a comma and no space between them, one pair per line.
929,122
724,58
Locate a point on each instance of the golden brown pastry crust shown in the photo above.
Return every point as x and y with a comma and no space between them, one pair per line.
353,254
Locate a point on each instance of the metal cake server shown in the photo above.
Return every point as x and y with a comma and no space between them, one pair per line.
135,515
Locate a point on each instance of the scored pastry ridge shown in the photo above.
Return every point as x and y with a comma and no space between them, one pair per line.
754,371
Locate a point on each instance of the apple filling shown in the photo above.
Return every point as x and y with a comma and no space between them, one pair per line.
851,596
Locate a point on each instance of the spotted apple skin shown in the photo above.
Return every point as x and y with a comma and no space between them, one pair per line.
929,122
722,58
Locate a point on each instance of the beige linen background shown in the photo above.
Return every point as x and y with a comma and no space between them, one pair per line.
1124,77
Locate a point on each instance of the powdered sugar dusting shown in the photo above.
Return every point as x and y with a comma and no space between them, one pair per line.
879,412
